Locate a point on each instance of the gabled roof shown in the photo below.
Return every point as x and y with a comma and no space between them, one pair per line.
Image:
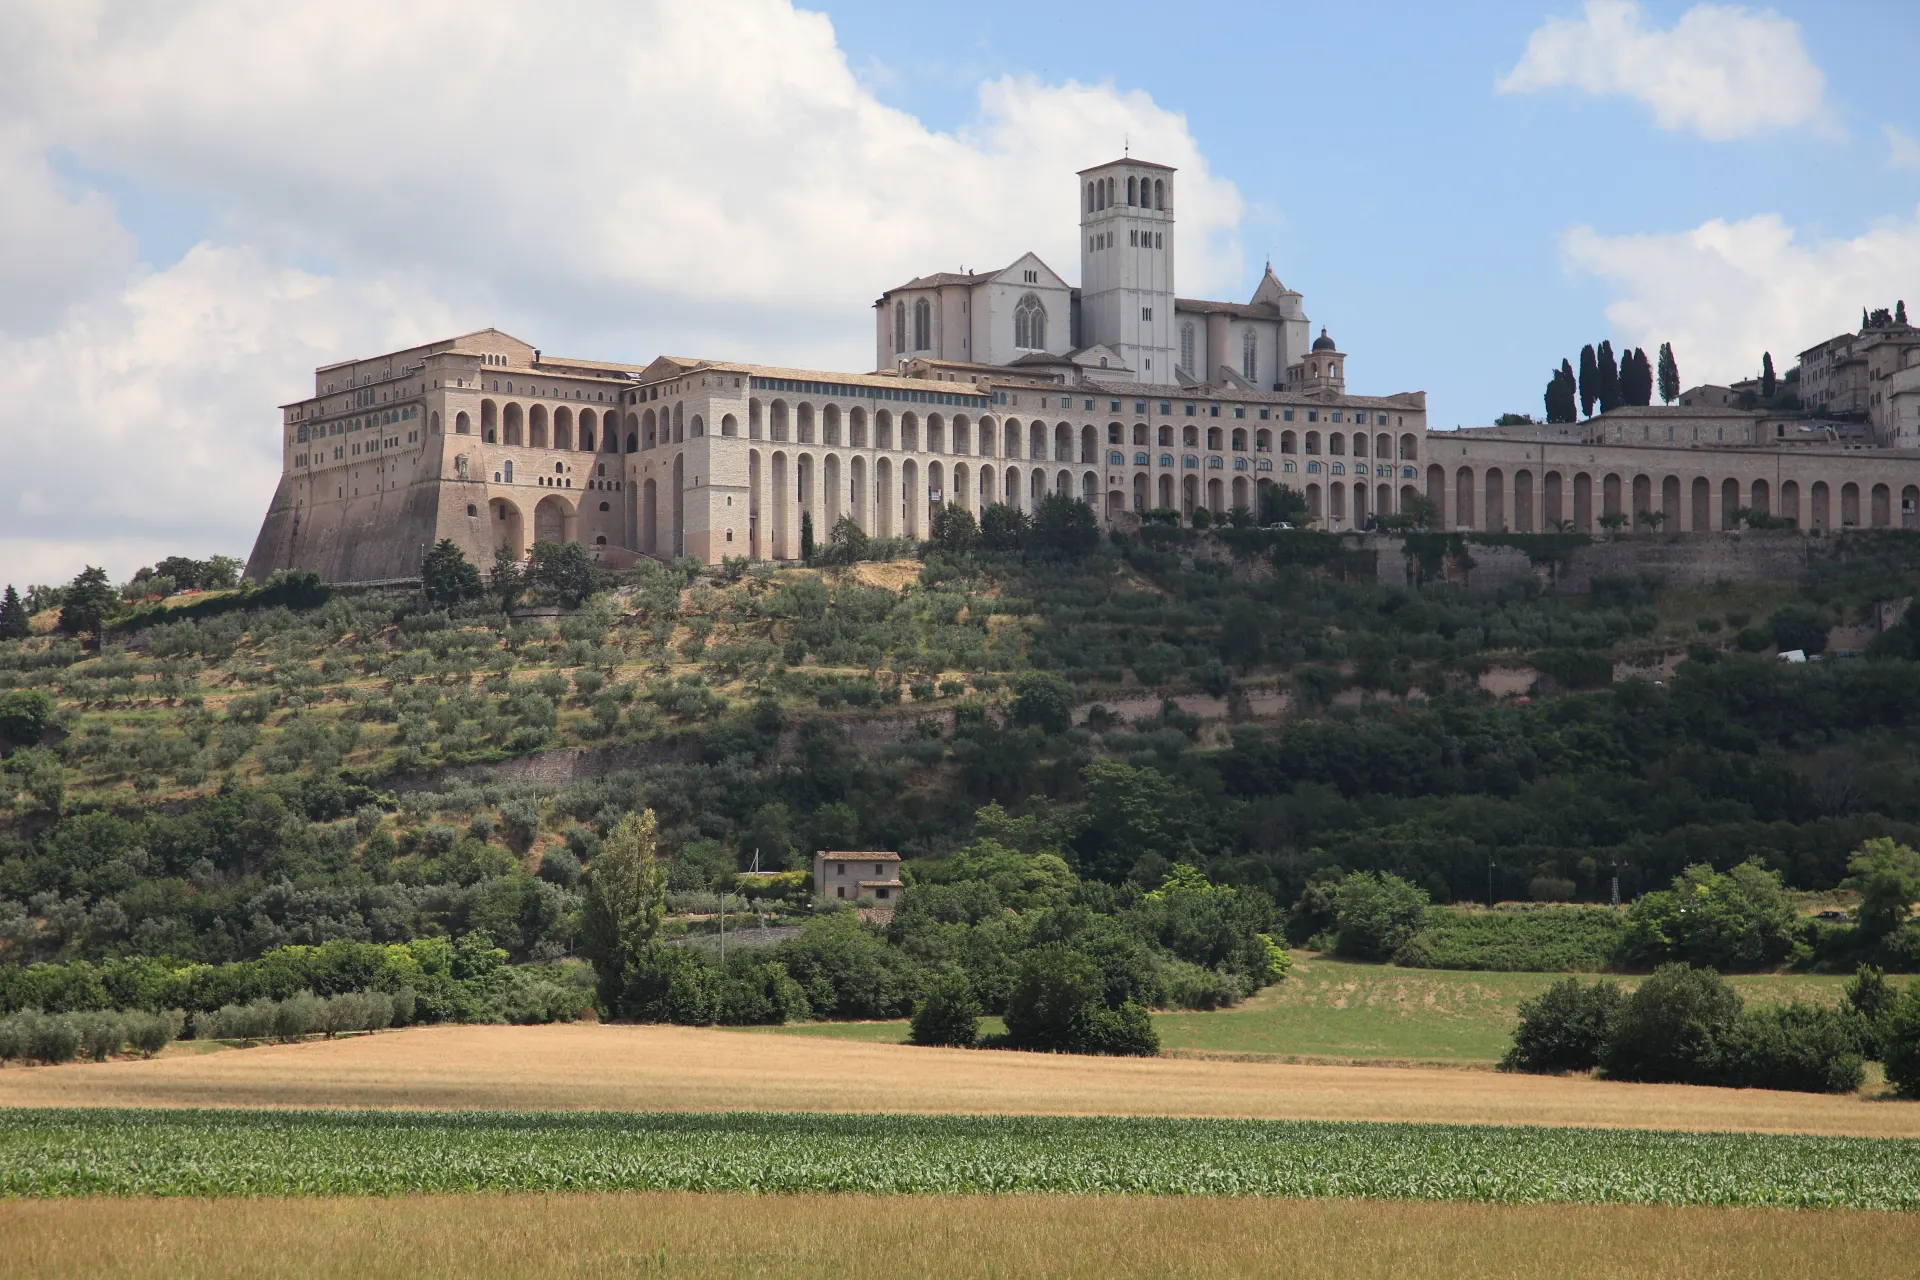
858,855
1242,310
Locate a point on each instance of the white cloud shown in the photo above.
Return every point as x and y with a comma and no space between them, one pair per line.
1722,71
604,177
1724,292
1903,149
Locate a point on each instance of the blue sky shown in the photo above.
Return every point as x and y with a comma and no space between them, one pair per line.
209,198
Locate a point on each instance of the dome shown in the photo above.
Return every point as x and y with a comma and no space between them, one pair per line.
1323,342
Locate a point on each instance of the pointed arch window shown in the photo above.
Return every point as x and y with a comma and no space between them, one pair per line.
1030,324
922,325
1249,356
899,326
1186,346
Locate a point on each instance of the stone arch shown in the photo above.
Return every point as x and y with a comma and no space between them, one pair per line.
960,433
1642,498
807,496
1262,440
555,520
729,425
1790,501
1729,502
1701,518
988,493
1437,493
804,421
777,428
756,528
563,426
1881,511
1062,442
936,487
830,425
1089,444
1314,511
756,428
678,493
537,428
783,548
962,486
1407,494
830,491
858,505
462,425
1037,441
1523,515
679,425
433,423
1670,512
633,432
857,431
911,494
1762,500
1410,447
1494,495
508,525
650,517
1010,434
1610,494
696,427
1289,442
1910,507
1189,495
1462,497
1240,491
1582,502
1165,486
885,505
909,433
936,433
1820,507
512,426
1553,500
1010,486
1336,444
650,435
1359,444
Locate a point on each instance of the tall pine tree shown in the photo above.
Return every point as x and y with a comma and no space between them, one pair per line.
13,616
1609,389
1589,380
1669,374
1768,383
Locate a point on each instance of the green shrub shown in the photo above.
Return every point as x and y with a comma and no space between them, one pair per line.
1675,1027
1539,940
51,1038
949,1014
101,1034
1804,1047
149,1033
1195,986
1564,1028
1374,913
1734,920
13,1037
1900,1042
1058,1004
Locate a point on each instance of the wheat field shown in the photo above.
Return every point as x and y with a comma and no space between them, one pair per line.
856,1237
652,1068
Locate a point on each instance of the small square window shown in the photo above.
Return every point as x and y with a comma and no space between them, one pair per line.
1113,407
1191,409
1166,406
1265,413
1213,411
1239,411
1087,404
1139,406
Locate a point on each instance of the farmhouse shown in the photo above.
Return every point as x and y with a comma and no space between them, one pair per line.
840,876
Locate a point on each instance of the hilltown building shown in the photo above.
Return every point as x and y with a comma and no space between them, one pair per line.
1004,386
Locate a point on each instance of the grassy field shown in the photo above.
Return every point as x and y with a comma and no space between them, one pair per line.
1329,1009
625,1068
861,1237
52,1153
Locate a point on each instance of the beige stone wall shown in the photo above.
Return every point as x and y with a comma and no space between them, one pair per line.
1497,485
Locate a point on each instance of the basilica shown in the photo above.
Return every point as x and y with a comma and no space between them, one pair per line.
987,387
994,387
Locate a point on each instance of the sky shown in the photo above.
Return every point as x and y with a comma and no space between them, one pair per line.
203,200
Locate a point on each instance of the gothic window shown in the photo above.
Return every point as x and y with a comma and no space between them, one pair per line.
1131,193
899,326
1089,197
1030,324
922,325
1186,347
1159,194
1249,357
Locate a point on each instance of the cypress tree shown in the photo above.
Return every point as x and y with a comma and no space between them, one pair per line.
1669,374
1767,381
1609,388
1863,319
1589,380
1900,311
13,616
1560,395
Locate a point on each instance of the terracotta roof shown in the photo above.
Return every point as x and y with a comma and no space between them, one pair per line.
881,884
862,855
1244,310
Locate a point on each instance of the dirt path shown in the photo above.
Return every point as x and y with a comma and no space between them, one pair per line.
692,1069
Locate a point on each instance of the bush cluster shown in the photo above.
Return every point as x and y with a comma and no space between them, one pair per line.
1685,1025
33,1036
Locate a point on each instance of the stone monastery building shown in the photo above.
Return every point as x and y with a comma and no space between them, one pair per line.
988,387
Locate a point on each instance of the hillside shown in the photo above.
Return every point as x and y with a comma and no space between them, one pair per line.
368,767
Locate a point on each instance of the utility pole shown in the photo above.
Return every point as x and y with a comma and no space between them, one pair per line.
1616,886
1489,884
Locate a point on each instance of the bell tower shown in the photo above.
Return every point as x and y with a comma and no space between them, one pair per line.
1126,263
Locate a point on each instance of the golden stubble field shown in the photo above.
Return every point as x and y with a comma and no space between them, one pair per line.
855,1237
653,1068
